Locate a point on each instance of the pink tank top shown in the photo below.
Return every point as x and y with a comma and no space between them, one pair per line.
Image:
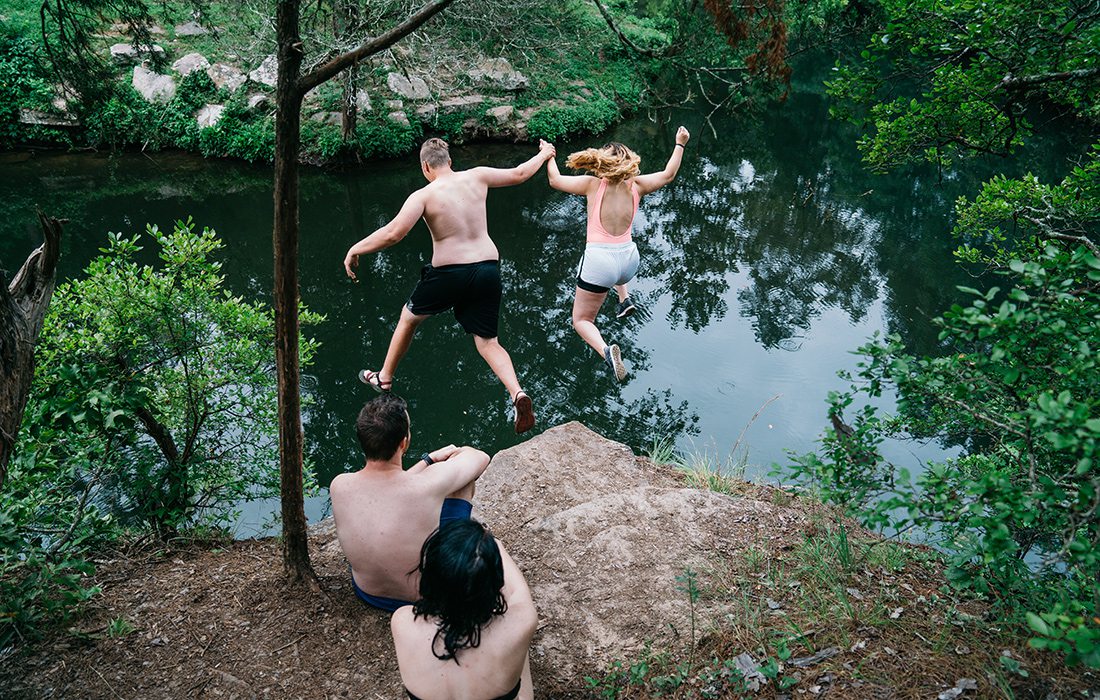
596,232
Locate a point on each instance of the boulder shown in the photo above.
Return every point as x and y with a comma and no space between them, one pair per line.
498,73
426,113
399,118
601,535
153,86
267,72
191,28
410,88
209,115
259,101
461,104
362,101
226,76
128,54
190,63
501,114
334,118
33,117
394,105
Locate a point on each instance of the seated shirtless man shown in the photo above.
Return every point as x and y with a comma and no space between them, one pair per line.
465,270
383,514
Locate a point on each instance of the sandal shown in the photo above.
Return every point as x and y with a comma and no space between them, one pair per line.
525,413
375,381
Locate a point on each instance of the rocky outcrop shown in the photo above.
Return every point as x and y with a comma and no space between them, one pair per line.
226,76
153,86
498,73
267,72
191,28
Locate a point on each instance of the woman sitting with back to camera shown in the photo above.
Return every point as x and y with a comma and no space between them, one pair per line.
467,636
610,256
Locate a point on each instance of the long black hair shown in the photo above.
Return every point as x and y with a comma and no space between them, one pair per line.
461,582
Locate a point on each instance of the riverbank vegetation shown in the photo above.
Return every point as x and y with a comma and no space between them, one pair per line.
201,76
152,413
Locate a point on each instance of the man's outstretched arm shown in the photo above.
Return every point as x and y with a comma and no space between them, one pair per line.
502,177
389,234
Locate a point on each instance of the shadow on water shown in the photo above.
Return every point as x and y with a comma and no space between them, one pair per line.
772,256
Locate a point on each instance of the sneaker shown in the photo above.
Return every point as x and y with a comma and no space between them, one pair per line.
614,360
625,308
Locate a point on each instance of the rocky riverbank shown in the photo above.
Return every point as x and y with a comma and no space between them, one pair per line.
207,85
613,546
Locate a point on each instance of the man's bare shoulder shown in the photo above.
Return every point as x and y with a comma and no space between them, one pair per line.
341,483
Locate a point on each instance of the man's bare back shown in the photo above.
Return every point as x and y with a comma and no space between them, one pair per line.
454,210
384,513
383,517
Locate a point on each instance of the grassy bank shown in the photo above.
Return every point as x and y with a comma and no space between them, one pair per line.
473,73
843,614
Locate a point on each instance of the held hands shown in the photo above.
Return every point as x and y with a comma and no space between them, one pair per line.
682,136
351,261
547,149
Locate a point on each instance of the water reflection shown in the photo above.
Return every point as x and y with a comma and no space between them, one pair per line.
772,256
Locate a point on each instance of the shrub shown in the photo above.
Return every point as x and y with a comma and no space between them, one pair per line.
553,123
23,85
186,371
1017,510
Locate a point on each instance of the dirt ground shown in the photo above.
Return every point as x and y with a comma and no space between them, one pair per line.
600,534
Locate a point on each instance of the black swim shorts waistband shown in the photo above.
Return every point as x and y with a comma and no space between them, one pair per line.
459,266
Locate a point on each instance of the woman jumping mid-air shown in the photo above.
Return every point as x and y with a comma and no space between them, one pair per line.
467,637
610,256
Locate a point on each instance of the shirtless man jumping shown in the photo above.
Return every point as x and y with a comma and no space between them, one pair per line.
465,270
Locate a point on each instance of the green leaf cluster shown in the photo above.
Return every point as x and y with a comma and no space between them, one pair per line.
940,81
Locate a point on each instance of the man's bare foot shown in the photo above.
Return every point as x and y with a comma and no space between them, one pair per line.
525,412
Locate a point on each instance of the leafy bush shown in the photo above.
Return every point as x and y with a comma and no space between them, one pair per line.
553,123
23,85
1017,510
182,373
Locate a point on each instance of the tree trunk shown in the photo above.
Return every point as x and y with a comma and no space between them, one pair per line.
23,306
291,87
288,116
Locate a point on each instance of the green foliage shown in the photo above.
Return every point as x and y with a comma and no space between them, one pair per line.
23,85
163,380
1016,512
967,72
1019,217
553,123
47,526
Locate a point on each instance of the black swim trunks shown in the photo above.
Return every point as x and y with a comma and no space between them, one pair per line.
471,289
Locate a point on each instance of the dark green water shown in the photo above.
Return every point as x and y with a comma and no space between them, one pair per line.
771,257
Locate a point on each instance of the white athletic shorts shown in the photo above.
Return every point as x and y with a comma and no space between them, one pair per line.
605,265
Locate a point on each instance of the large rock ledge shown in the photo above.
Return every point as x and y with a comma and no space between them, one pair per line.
601,536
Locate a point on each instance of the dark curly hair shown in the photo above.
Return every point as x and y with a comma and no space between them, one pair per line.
461,578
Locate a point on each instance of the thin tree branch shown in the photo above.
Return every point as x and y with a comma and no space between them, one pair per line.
370,47
1025,82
